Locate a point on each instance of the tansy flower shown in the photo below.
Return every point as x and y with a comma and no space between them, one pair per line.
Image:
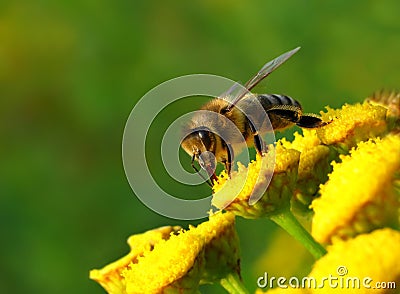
254,179
362,192
221,253
110,276
371,258
314,167
174,264
275,193
179,263
352,124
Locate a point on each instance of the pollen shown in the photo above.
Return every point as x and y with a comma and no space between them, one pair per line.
375,255
272,180
314,167
362,192
164,265
110,277
173,260
352,124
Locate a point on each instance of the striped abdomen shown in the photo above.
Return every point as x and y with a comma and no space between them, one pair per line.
282,110
270,100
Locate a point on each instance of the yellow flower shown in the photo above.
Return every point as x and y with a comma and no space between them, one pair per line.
221,254
374,257
274,184
314,167
234,194
110,276
176,262
362,192
302,142
352,124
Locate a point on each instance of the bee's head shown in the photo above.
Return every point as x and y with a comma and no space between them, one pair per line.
200,144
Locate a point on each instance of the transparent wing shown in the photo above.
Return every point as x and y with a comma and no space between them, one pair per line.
268,68
231,91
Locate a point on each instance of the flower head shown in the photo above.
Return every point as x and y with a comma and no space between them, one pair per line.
254,179
175,262
361,193
314,167
110,276
221,253
164,267
352,124
375,255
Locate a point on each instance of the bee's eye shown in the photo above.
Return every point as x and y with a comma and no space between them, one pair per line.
207,139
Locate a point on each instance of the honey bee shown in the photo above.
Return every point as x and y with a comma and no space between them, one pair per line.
202,141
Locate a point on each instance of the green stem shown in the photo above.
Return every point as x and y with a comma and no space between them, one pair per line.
289,223
233,284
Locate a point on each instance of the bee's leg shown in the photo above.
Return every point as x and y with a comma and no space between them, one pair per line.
294,114
228,163
290,113
208,181
229,160
311,121
258,142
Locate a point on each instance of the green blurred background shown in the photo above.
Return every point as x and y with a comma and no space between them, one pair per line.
70,73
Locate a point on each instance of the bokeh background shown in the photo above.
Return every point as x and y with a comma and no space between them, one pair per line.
70,73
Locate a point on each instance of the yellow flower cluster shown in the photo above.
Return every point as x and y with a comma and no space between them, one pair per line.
300,166
354,198
110,277
352,124
367,264
303,165
168,260
169,269
361,192
360,195
361,264
315,159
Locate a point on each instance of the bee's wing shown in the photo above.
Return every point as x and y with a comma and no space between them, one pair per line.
268,68
233,92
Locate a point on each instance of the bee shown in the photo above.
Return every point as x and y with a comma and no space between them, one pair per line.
205,146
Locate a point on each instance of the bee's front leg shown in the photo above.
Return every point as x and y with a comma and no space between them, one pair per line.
229,160
258,141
